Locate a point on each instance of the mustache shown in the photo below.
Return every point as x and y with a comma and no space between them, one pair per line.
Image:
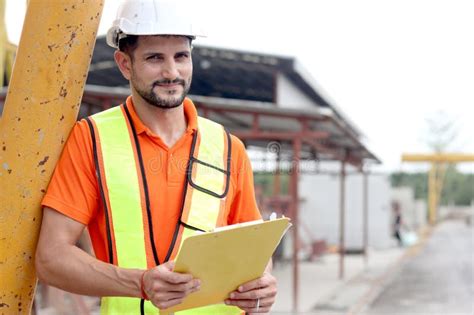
164,82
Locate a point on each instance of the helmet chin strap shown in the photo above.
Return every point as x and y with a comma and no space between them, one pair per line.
120,35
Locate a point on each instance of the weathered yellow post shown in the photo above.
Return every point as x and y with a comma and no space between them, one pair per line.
40,108
433,196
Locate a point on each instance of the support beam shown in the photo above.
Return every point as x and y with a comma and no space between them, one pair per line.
256,123
365,207
280,135
276,176
342,219
294,212
235,106
439,157
432,195
40,109
334,151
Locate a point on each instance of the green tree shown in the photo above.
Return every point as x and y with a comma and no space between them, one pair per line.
458,187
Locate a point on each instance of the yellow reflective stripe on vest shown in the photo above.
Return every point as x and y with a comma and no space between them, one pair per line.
205,207
126,211
121,176
125,305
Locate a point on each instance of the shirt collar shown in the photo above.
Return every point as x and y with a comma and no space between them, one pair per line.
189,111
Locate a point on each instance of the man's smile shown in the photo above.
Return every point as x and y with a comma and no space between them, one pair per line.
170,84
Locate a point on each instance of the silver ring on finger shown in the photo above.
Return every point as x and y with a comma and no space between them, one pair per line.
258,305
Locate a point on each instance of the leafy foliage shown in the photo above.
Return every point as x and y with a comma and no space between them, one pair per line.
458,187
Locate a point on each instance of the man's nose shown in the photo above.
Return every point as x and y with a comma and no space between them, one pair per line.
170,71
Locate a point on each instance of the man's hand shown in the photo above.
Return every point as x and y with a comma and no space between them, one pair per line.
166,288
256,296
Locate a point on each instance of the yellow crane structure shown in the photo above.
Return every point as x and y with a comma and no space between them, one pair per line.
41,106
436,175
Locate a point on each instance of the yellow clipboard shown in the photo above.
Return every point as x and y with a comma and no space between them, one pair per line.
226,258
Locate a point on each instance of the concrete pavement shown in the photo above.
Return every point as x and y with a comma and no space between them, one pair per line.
321,290
438,280
435,276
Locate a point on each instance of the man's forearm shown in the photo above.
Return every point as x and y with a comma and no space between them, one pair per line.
71,269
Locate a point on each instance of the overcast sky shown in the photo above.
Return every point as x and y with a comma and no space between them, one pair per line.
388,65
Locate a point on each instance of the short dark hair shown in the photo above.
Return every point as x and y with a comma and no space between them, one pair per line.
128,43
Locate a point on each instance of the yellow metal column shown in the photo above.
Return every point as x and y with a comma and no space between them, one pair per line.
441,175
432,196
40,109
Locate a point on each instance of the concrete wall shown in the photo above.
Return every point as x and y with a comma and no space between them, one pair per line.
319,208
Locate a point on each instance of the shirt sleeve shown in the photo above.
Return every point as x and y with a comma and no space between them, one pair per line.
73,189
244,205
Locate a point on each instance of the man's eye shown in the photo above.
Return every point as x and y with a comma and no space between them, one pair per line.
154,57
182,56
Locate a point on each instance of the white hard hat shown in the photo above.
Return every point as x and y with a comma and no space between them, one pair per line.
151,17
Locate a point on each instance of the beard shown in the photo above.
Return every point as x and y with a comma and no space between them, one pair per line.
172,101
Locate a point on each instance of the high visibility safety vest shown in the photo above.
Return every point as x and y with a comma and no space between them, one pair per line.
124,191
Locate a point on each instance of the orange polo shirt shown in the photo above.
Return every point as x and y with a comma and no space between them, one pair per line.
74,190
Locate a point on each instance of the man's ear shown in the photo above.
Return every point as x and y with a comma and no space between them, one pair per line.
124,63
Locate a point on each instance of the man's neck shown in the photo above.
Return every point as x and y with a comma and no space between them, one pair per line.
169,124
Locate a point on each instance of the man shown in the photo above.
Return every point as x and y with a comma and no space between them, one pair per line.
142,177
